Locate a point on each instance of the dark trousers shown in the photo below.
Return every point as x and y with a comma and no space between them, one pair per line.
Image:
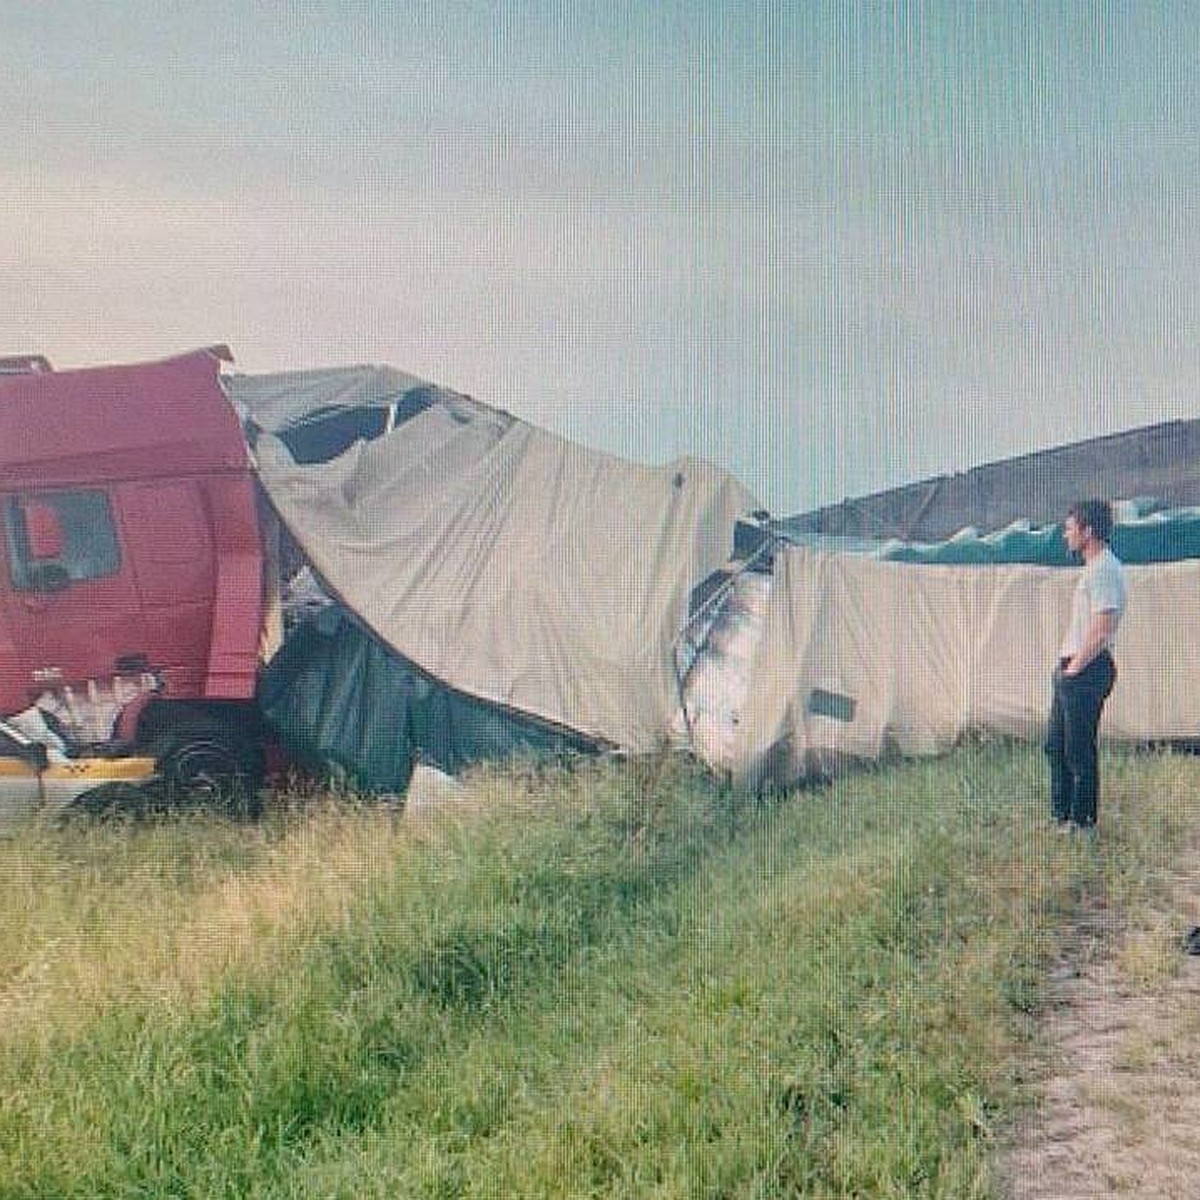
1071,738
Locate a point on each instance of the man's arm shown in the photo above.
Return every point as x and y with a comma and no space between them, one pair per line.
1099,631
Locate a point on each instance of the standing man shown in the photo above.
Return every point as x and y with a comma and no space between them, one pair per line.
1085,673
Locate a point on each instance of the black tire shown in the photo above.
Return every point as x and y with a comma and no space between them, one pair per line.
206,763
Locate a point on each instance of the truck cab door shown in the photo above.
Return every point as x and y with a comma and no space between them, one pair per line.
68,594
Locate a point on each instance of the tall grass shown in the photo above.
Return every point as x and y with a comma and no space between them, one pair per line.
617,981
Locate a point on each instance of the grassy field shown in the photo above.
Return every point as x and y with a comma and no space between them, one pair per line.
617,981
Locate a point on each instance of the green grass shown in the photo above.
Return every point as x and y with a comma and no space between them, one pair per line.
617,981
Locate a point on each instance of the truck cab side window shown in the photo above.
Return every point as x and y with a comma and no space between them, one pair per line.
88,547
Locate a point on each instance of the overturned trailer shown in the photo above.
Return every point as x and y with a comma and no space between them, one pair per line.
897,622
860,658
863,648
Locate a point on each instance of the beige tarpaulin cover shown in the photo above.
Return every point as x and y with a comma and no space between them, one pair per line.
926,653
508,562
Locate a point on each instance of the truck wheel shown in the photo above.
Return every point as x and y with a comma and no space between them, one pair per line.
207,763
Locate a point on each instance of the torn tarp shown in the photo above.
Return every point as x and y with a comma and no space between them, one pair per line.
511,565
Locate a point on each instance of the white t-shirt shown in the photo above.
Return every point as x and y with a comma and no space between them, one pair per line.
1101,588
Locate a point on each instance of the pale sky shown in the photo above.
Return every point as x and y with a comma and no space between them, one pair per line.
832,247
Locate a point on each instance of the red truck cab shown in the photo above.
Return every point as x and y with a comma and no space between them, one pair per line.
131,561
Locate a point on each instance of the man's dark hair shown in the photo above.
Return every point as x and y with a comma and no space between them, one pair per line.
1095,515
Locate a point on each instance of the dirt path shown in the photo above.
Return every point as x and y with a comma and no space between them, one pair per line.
1120,1109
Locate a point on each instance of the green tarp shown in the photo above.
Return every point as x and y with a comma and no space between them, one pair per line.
1138,538
339,697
